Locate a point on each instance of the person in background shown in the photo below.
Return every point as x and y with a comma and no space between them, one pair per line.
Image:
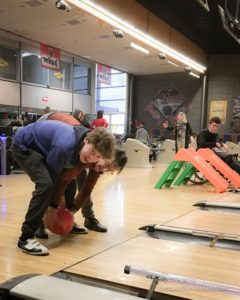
166,131
183,132
43,150
26,119
47,110
80,116
142,135
208,138
99,121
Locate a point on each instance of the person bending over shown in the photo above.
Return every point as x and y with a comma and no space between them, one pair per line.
91,222
43,150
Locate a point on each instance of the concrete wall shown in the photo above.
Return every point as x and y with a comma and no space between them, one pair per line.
146,88
224,82
39,97
9,93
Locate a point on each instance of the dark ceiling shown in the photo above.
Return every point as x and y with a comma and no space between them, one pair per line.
195,22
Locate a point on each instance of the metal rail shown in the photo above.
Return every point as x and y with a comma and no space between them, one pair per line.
201,284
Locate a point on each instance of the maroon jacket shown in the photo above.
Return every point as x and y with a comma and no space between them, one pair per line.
84,193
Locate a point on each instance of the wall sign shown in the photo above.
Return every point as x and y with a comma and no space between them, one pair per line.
50,57
218,108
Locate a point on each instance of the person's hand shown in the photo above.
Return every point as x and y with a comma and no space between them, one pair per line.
224,147
219,145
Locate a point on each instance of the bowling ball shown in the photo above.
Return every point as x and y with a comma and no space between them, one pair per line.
62,223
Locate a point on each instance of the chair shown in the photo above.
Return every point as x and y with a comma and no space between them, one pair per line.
137,153
167,152
233,148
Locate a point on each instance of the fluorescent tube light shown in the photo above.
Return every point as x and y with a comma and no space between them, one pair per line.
172,63
139,48
113,20
194,74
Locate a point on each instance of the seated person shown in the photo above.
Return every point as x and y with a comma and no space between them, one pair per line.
208,138
142,135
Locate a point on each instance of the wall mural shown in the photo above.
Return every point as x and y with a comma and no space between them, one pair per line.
167,103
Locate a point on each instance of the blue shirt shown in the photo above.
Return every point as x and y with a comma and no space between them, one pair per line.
53,139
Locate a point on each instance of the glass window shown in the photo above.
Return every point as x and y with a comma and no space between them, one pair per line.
8,63
111,96
61,79
111,93
81,79
33,72
117,122
32,69
117,105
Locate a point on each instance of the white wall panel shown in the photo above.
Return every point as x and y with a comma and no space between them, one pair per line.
9,93
36,97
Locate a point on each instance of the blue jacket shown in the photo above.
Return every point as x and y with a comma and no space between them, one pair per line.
60,143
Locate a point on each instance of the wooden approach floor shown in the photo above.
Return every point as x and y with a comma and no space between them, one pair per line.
209,221
124,203
229,200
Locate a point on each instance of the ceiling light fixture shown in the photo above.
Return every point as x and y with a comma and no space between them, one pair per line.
139,48
61,4
173,63
188,69
113,20
194,74
162,56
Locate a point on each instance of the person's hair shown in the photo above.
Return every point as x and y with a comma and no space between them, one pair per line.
216,120
47,109
120,159
102,140
100,114
184,118
76,113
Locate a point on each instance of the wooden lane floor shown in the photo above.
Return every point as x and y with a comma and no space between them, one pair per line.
230,200
210,264
124,203
218,222
64,251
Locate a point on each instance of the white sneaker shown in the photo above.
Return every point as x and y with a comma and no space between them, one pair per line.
32,246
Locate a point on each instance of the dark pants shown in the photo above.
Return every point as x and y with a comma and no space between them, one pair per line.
87,210
33,163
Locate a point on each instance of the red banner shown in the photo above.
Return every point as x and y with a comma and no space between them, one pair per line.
50,57
104,74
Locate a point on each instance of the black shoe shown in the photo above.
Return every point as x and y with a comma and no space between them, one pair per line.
94,224
78,230
41,233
